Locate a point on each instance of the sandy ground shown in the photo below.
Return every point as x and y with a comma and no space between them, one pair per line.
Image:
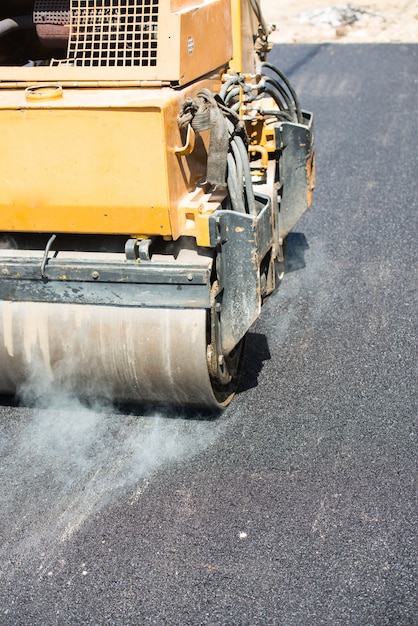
379,21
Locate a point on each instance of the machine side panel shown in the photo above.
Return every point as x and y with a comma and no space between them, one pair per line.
205,39
86,169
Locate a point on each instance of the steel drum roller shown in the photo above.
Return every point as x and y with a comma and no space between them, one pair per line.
143,355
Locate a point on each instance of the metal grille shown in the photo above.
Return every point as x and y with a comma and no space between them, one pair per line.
106,33
52,12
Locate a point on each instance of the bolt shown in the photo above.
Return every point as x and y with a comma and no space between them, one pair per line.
190,276
95,275
5,271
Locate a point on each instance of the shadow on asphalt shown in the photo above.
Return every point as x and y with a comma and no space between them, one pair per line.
9,400
296,244
256,352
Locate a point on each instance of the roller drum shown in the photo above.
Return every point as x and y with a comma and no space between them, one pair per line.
150,355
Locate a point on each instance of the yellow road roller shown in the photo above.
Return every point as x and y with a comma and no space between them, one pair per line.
152,163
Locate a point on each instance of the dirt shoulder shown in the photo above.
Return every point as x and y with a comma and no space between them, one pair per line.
297,21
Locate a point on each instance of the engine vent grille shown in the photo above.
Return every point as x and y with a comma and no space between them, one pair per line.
51,12
119,33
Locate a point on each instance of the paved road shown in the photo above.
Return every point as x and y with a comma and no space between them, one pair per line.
297,506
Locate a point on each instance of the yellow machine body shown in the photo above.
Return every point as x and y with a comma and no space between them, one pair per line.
152,164
106,159
83,164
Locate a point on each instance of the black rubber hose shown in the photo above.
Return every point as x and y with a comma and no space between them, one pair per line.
286,81
249,192
232,93
239,174
255,5
267,88
232,183
21,22
236,107
231,81
288,104
284,113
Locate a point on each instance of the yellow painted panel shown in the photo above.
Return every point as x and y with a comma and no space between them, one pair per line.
84,170
205,37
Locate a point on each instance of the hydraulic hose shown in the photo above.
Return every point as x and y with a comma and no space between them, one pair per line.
256,7
231,81
232,93
232,181
239,174
249,192
281,97
286,81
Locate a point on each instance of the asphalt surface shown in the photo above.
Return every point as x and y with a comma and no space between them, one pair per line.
298,505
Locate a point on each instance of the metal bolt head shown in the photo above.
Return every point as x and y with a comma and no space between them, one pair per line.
95,275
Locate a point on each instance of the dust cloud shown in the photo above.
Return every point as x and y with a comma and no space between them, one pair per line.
65,461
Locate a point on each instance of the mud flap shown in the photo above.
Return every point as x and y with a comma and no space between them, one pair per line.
244,242
296,170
